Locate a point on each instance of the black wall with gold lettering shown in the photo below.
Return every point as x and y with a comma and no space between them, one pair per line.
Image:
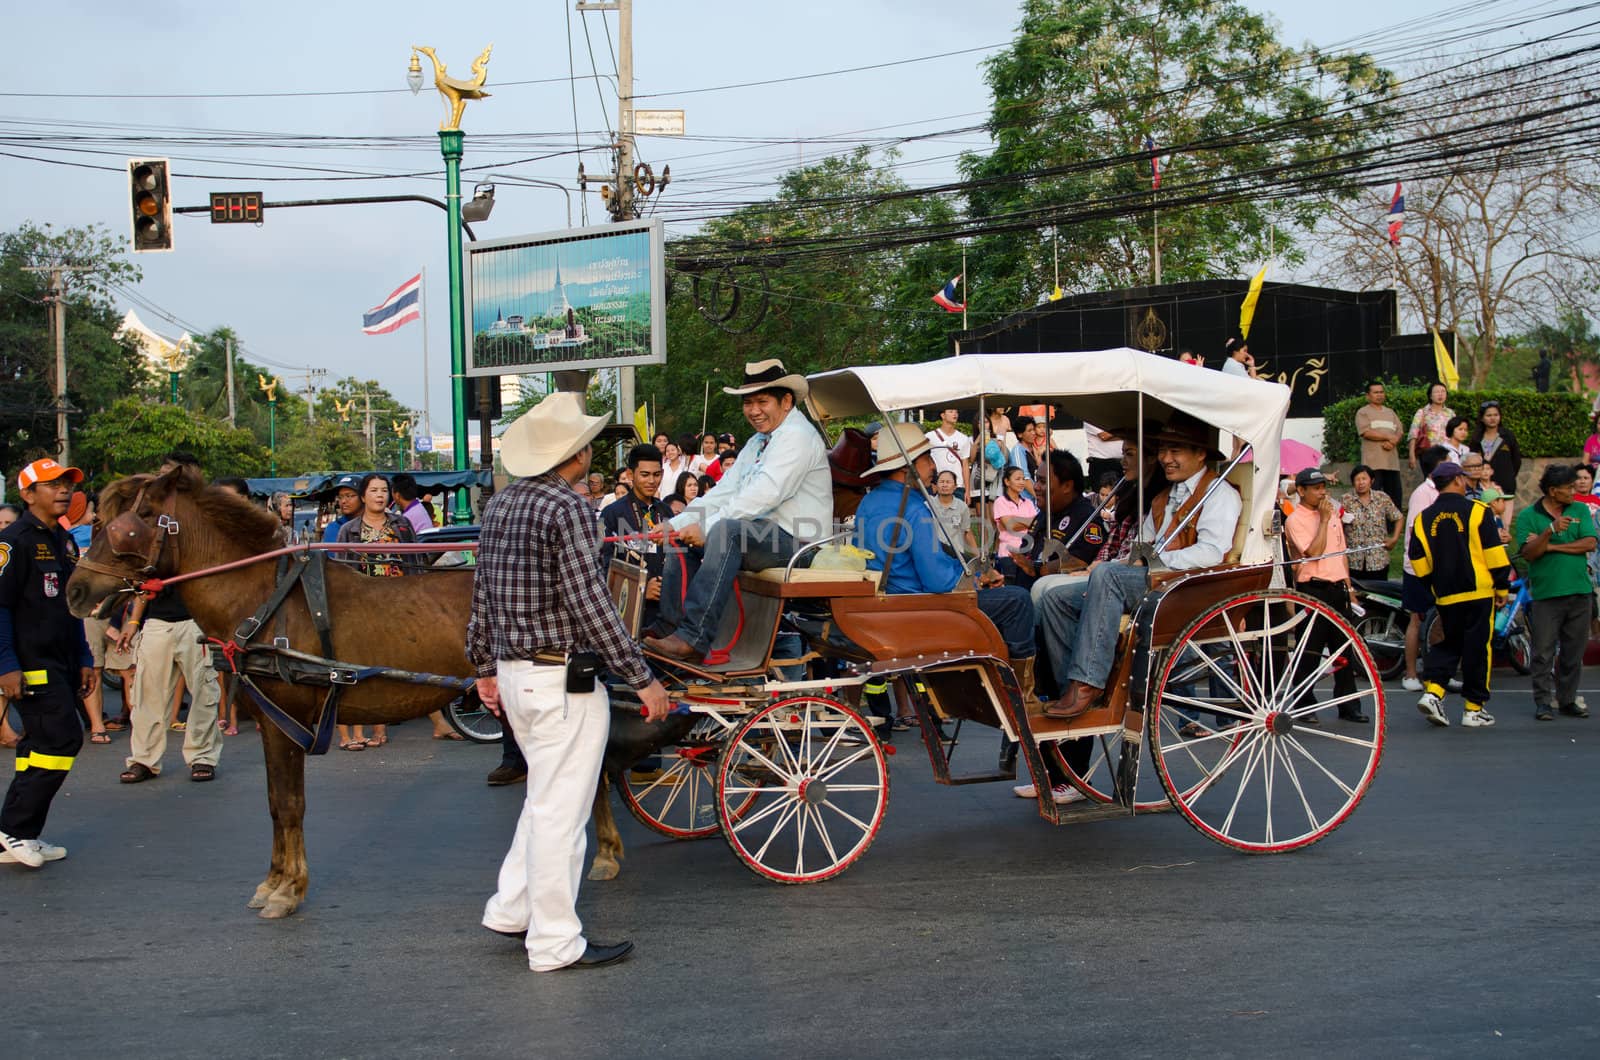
1321,342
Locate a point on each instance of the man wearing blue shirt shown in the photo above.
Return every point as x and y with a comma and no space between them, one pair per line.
896,525
347,499
777,496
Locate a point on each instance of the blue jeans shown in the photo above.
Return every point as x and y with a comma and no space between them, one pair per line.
1087,619
731,545
1011,611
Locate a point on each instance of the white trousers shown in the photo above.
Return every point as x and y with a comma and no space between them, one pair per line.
563,737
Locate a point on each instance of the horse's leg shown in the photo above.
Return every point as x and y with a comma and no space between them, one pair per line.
275,870
286,791
608,841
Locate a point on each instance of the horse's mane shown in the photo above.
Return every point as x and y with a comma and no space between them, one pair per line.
231,515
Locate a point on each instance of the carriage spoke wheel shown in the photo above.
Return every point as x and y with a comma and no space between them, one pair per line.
678,799
801,789
1251,750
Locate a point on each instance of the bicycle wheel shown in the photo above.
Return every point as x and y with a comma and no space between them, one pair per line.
468,716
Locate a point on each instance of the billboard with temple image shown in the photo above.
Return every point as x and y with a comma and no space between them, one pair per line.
578,299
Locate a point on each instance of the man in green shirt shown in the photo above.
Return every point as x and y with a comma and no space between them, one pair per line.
1556,536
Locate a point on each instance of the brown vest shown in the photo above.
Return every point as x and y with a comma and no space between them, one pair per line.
1191,531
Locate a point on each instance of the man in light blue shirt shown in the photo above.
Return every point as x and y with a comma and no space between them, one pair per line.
777,496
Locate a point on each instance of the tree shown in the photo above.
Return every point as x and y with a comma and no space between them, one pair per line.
835,298
366,410
203,388
1574,349
99,368
1488,240
322,446
133,434
1075,97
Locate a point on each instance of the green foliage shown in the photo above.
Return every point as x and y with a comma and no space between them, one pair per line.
99,368
1089,80
322,446
1545,424
133,435
830,306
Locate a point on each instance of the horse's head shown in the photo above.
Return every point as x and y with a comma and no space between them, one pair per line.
135,518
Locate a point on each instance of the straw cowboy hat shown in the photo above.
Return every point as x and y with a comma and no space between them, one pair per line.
760,375
909,437
547,434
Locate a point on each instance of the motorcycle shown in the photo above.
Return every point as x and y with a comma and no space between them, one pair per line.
1382,625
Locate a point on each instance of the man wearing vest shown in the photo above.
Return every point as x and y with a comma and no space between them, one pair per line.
1456,551
1183,446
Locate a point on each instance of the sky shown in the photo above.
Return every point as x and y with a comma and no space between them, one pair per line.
295,287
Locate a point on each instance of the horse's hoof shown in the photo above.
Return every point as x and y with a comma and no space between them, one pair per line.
604,870
259,900
277,908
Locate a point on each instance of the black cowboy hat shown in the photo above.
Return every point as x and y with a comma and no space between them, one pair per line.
1184,429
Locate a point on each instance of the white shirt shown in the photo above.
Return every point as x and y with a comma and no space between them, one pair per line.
782,477
950,452
1218,518
1100,450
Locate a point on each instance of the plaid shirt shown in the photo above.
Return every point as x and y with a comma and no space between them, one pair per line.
1118,541
537,588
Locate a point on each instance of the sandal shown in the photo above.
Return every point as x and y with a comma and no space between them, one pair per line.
230,731
376,741
119,724
99,736
448,734
1194,730
137,773
200,772
353,745
178,726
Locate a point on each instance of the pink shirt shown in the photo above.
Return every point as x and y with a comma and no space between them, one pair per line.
1421,497
1006,508
1301,526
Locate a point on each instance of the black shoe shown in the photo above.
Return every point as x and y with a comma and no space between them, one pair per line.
1544,713
1574,710
502,775
1355,716
598,955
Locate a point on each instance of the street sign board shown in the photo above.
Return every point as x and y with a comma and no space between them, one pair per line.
582,298
424,444
658,123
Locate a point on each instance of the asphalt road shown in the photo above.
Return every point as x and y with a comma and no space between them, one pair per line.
1453,915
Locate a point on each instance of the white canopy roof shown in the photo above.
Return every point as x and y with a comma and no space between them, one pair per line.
1109,388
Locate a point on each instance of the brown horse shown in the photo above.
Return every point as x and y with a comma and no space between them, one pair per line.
414,623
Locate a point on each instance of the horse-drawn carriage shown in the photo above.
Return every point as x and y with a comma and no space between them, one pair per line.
1212,708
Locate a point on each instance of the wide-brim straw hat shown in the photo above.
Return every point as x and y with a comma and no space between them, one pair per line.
911,439
761,375
547,434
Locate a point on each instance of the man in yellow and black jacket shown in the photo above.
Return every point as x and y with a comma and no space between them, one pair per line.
1456,551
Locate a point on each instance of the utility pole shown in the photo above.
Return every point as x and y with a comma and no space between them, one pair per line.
620,203
372,448
228,352
57,298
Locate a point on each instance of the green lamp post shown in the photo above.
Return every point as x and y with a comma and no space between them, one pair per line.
456,93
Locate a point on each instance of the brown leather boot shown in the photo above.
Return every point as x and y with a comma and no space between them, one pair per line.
1024,671
1078,699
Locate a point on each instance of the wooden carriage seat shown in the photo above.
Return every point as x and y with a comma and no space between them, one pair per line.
908,625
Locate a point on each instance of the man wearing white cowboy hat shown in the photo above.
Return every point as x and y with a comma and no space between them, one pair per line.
895,524
541,623
777,496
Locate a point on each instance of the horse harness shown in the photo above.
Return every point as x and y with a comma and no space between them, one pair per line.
243,659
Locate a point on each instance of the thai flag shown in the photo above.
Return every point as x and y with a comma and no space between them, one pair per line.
399,309
946,299
1155,164
1397,214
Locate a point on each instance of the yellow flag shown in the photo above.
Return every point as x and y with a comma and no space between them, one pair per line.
1057,294
641,423
1445,363
1247,311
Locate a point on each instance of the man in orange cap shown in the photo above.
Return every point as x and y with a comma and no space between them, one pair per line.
45,663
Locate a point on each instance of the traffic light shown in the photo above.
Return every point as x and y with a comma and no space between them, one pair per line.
151,204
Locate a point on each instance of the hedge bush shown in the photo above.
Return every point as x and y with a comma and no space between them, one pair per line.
1551,425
